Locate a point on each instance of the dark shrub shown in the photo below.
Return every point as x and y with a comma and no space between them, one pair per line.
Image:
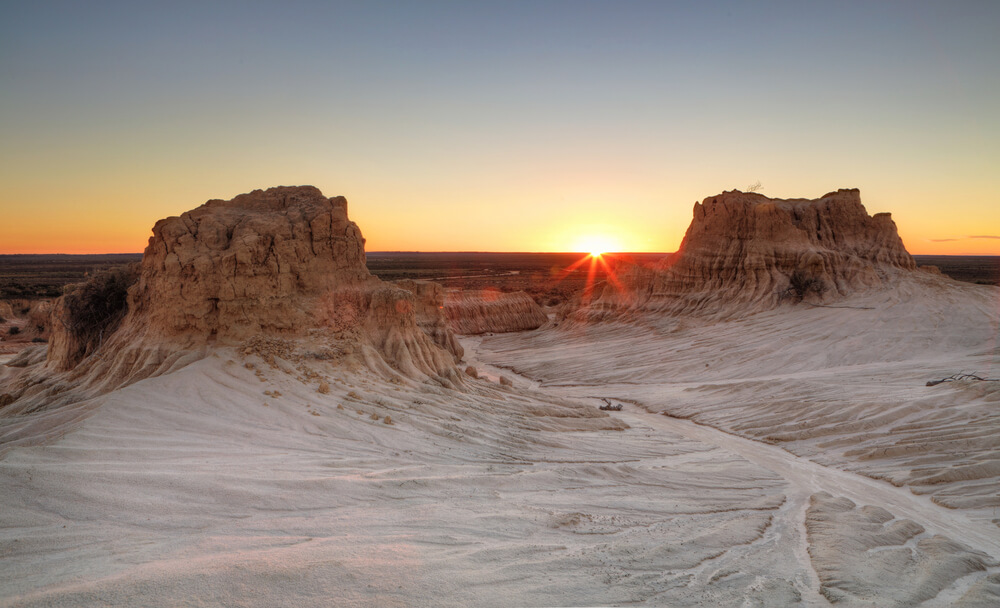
14,331
801,284
94,308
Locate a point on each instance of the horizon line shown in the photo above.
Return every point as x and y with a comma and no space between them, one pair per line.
139,253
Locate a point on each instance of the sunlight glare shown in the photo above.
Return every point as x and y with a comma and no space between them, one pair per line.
596,245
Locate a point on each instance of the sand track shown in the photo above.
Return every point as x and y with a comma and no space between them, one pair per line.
806,478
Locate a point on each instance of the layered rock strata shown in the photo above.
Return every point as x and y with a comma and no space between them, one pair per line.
748,251
490,311
430,304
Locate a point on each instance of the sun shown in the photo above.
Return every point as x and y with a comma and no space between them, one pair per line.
596,245
597,263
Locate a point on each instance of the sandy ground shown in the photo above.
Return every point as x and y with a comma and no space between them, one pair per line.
834,399
187,489
197,488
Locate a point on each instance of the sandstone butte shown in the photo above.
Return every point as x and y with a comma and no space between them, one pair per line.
284,262
745,252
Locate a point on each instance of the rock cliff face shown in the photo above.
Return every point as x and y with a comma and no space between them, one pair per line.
231,269
488,310
751,251
283,262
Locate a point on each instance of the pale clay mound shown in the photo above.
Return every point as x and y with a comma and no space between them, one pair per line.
481,311
229,484
743,251
188,486
306,468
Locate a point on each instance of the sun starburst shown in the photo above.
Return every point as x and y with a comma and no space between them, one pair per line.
596,250
597,245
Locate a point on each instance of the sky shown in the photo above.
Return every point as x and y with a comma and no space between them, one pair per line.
496,126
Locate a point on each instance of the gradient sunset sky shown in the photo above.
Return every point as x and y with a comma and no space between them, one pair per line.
500,126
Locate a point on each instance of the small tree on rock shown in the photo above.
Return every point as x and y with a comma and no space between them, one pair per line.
801,284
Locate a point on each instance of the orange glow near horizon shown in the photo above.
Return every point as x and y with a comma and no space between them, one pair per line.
78,239
102,239
92,222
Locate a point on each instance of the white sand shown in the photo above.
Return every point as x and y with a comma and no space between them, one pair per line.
187,490
842,386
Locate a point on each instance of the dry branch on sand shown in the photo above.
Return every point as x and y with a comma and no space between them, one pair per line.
800,285
961,376
610,407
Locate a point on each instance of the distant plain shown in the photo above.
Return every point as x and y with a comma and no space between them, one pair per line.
542,275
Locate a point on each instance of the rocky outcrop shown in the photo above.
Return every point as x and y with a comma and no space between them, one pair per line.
22,323
32,315
260,262
430,303
39,319
748,251
489,310
284,262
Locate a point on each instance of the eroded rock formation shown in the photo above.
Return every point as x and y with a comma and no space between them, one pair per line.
489,310
283,262
430,303
751,251
31,317
280,261
258,262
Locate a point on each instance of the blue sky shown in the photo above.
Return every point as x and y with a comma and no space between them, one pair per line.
497,126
